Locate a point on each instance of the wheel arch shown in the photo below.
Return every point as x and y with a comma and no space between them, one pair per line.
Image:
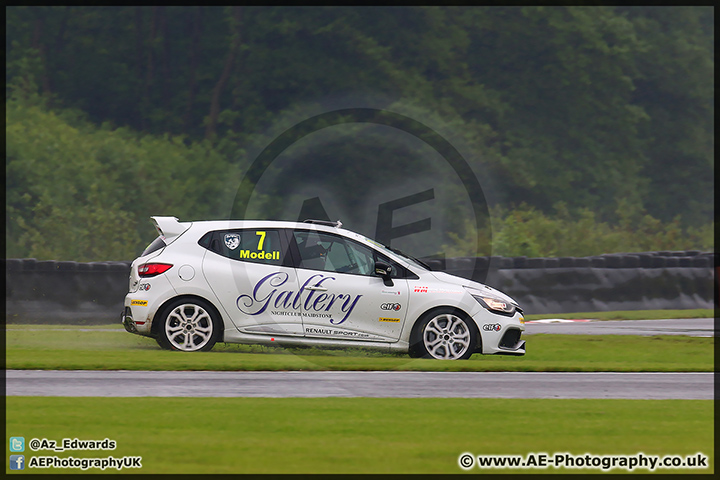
154,327
457,310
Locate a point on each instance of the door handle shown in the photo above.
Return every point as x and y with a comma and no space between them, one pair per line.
320,289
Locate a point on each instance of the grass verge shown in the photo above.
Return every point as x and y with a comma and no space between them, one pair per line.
359,435
80,348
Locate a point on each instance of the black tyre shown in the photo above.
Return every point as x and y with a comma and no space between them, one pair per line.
444,334
188,325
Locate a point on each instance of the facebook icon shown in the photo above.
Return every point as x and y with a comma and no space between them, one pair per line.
17,462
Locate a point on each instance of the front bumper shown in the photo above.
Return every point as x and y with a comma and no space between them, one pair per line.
500,335
511,343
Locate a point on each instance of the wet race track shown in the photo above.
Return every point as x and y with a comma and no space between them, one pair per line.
395,384
362,384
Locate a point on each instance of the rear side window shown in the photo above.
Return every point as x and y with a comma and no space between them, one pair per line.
248,245
156,245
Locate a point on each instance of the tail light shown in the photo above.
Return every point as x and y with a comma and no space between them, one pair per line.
152,269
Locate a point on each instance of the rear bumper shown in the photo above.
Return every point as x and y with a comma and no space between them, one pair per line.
127,321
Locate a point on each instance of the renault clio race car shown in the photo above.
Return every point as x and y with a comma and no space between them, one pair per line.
311,283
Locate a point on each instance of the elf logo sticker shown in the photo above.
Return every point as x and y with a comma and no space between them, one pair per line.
492,327
391,306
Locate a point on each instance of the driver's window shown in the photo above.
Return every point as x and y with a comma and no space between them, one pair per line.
363,258
339,259
313,249
322,251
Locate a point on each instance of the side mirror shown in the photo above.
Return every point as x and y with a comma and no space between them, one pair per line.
384,270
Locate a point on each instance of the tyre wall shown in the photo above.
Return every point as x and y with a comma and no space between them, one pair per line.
639,281
64,292
93,293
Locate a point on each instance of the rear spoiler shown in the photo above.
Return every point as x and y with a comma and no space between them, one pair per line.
169,227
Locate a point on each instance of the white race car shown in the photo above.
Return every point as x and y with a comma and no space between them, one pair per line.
311,283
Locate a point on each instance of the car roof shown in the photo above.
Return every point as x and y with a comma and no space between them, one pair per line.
171,226
220,224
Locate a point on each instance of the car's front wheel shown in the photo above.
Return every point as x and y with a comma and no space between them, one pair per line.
444,334
188,326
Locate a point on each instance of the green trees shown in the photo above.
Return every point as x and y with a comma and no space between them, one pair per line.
673,86
603,109
568,130
79,192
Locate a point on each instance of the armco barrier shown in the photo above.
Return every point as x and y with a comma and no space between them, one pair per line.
636,281
64,292
72,292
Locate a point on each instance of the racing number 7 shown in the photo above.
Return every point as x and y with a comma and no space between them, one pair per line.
262,239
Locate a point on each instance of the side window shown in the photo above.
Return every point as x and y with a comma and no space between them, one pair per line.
333,253
248,245
362,257
314,248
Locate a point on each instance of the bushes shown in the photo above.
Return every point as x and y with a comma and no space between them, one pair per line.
80,192
525,231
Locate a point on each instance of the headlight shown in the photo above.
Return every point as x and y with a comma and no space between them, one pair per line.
495,305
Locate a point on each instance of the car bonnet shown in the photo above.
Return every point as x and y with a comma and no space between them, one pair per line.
454,280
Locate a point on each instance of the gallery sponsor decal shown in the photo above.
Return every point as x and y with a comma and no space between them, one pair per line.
421,290
283,313
232,240
393,320
139,303
492,327
268,293
391,306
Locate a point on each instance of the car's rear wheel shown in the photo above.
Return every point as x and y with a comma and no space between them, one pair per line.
444,334
189,326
